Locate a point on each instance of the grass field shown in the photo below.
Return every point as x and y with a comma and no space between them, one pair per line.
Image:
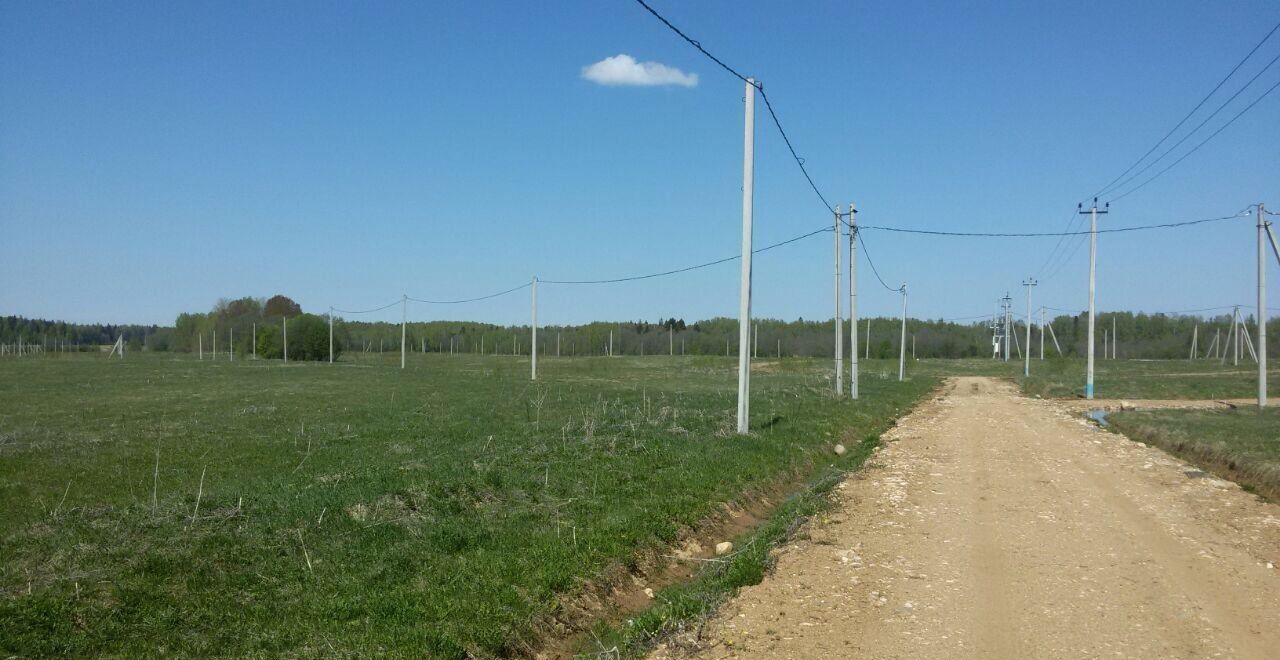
162,505
1242,445
1147,379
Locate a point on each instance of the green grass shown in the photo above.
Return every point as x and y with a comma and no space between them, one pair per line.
1241,444
1145,379
361,509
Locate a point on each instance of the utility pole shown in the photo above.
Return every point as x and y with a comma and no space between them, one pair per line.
1006,311
1041,333
1262,311
902,340
1026,367
755,343
404,319
671,340
744,296
533,352
330,335
255,338
284,322
1115,338
231,345
868,352
1093,265
853,302
839,314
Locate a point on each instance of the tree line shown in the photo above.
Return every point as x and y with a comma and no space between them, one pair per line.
257,325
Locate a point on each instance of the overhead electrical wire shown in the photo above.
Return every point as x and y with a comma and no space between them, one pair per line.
759,87
867,253
476,299
686,269
1045,234
1201,144
366,311
1175,128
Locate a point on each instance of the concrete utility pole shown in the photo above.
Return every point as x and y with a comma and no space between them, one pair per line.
1093,265
284,322
853,302
231,345
1027,365
404,320
330,335
199,341
1262,311
744,296
215,344
868,352
671,340
1007,309
1041,333
839,315
533,353
1115,338
902,341
255,337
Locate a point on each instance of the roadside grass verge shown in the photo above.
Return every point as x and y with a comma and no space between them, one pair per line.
1143,379
162,505
1242,445
686,606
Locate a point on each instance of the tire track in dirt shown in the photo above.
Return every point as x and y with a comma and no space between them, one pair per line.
998,526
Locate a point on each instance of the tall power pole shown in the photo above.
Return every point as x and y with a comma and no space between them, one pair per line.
839,314
1026,367
853,302
1006,321
404,320
1262,311
1093,265
744,296
330,336
902,340
533,314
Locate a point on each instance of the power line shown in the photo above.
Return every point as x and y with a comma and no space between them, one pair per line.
686,269
759,87
476,299
1197,128
366,311
867,254
1113,230
1202,143
1189,114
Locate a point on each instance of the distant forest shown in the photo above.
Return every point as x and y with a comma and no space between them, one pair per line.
1141,335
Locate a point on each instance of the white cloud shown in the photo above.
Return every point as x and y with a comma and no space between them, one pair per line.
625,70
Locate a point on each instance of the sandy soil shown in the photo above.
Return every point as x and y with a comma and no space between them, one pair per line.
995,526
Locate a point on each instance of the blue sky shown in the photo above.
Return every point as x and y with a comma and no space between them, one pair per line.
157,156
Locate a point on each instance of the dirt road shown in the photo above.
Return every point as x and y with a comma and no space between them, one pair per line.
995,526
